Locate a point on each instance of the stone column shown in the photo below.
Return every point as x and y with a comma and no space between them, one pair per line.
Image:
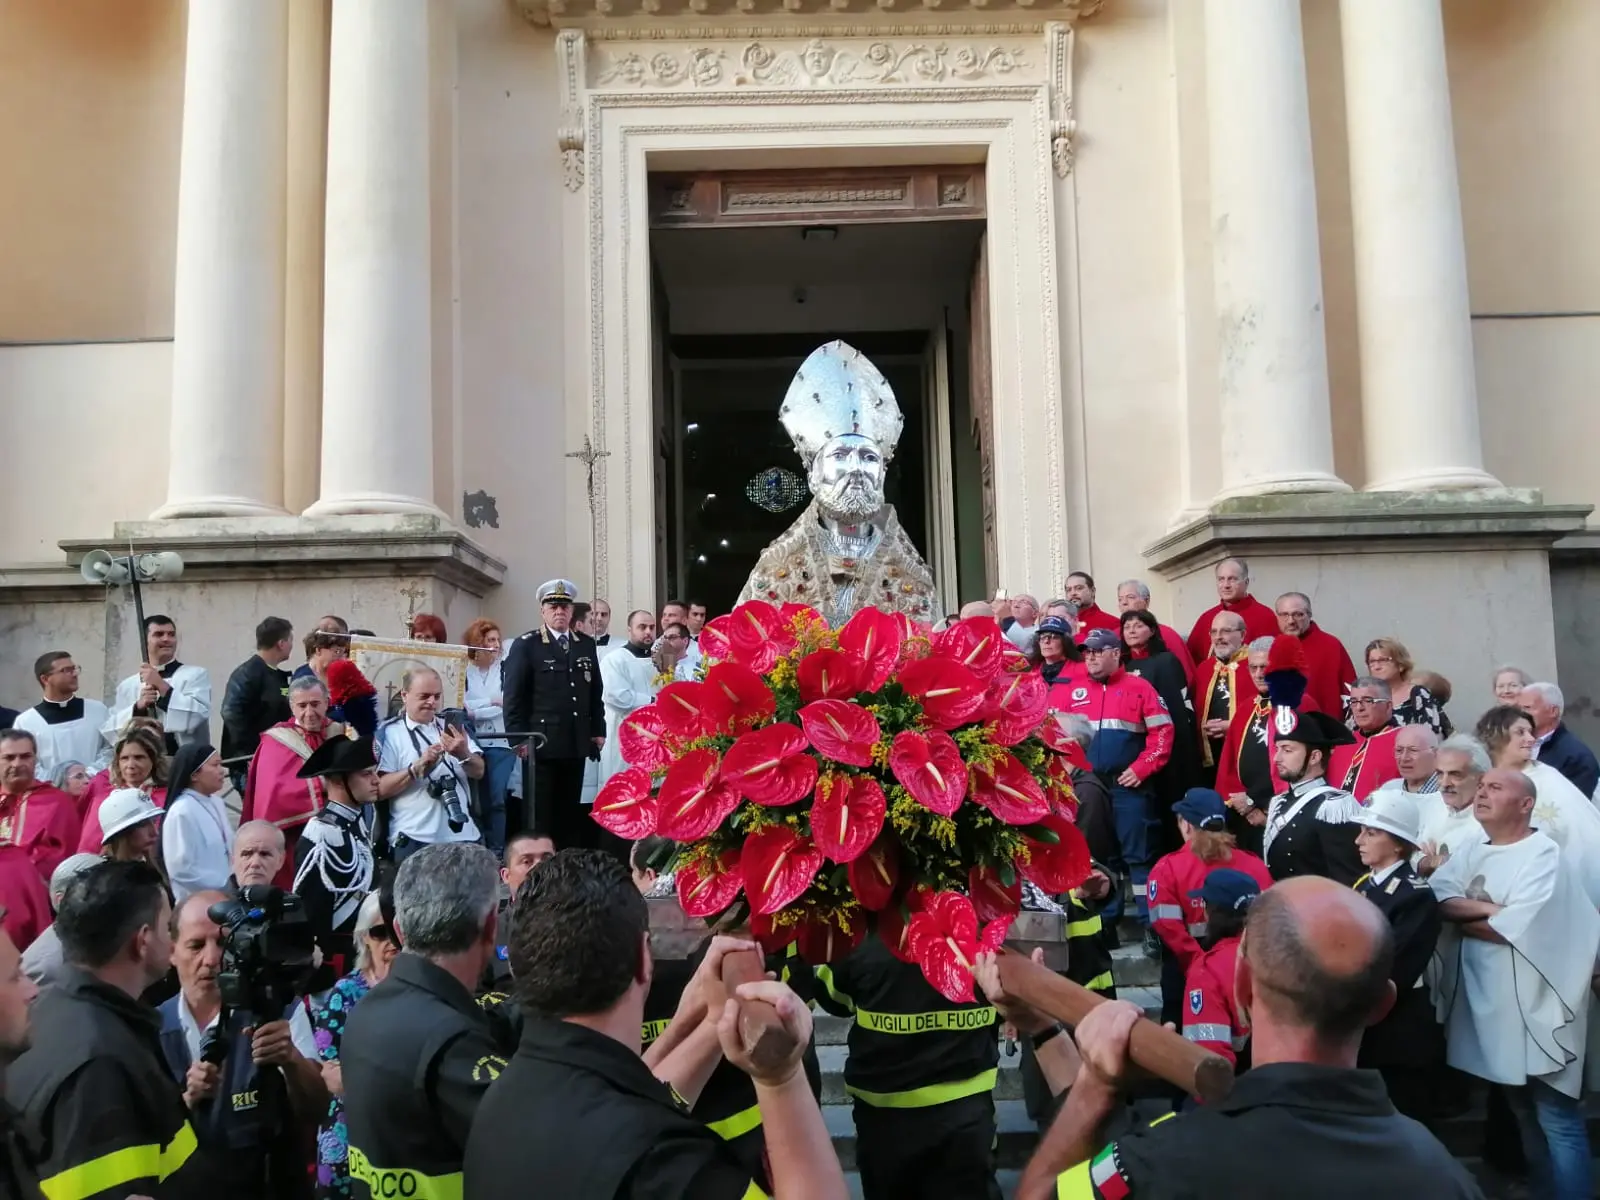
1277,435
1419,394
377,394
226,455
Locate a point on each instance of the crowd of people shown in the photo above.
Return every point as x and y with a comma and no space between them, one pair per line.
1333,877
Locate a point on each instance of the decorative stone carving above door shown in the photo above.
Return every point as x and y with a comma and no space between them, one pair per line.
565,12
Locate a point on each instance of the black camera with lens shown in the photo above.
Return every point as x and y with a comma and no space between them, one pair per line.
445,791
268,951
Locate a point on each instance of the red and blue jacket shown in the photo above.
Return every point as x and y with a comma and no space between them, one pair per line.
1132,727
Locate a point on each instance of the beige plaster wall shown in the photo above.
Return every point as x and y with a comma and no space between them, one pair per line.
1433,601
92,423
512,318
91,96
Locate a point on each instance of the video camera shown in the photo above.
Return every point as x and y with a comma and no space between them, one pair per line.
268,951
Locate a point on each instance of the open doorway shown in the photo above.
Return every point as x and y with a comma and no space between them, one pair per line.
738,307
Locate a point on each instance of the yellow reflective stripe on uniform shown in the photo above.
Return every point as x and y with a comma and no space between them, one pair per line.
1163,1117
651,1030
824,976
121,1167
754,1193
1100,982
402,1182
737,1125
1074,1184
1088,927
949,1018
927,1097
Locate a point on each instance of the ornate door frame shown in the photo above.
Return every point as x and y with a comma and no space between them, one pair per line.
730,97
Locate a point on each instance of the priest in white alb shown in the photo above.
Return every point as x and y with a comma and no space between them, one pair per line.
627,682
1517,962
176,694
65,726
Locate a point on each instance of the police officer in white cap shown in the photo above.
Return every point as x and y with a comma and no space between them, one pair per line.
552,687
1407,1046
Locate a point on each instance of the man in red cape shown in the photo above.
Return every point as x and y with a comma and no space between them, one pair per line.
1233,590
1329,670
40,819
1366,766
1246,776
1081,591
273,790
1222,686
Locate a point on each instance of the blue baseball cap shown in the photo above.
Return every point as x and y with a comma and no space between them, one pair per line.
1054,625
1102,639
1226,888
1202,808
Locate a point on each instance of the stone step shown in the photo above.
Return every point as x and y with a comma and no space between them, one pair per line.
1131,968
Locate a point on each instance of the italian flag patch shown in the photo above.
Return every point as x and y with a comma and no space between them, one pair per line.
1106,1174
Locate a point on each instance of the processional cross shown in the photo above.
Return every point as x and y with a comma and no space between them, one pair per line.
589,456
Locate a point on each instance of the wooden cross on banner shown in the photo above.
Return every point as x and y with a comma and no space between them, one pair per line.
589,456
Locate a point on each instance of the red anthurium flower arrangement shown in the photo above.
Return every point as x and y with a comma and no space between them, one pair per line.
820,782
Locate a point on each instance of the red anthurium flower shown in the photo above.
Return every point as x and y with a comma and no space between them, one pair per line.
779,863
715,644
946,942
694,797
625,806
1008,789
828,675
1053,735
823,939
708,886
929,766
894,931
975,643
950,693
873,638
875,875
757,635
643,738
745,691
1057,866
1058,787
771,938
1018,704
770,765
841,731
1012,660
690,709
847,815
993,900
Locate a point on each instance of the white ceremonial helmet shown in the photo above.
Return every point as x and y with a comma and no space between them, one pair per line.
123,809
1394,812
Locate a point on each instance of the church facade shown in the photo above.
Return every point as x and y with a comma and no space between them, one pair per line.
373,308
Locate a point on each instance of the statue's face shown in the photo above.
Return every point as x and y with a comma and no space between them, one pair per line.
847,477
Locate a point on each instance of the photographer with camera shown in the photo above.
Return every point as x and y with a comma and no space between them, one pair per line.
418,1053
250,1139
425,767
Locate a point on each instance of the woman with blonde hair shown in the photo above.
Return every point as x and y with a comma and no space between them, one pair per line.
1177,913
1508,684
138,762
1389,661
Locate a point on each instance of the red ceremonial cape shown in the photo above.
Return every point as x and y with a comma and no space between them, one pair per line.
99,788
1228,781
26,899
1259,621
1095,617
272,793
43,821
1241,690
1365,767
1329,671
92,836
1174,642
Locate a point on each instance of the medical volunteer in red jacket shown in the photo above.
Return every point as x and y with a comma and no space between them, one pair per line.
1211,1015
1132,741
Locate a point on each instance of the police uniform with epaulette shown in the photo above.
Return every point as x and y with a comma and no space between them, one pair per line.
921,1071
417,1056
552,687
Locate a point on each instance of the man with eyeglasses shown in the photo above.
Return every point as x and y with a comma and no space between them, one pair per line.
1368,764
66,726
1329,670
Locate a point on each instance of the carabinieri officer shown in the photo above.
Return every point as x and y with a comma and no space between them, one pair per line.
552,687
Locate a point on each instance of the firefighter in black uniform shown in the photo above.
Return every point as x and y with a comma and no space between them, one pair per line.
418,1053
94,1086
1406,1047
578,1114
1304,1121
552,687
921,1071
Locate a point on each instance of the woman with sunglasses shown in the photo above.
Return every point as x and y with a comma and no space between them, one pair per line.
376,947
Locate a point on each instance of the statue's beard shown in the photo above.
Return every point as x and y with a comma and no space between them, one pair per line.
849,498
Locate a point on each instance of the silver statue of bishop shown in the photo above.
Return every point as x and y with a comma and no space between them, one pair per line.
847,551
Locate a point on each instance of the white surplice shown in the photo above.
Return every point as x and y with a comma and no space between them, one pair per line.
627,682
68,732
187,717
1520,1010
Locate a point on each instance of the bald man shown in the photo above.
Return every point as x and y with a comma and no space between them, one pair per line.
1312,973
